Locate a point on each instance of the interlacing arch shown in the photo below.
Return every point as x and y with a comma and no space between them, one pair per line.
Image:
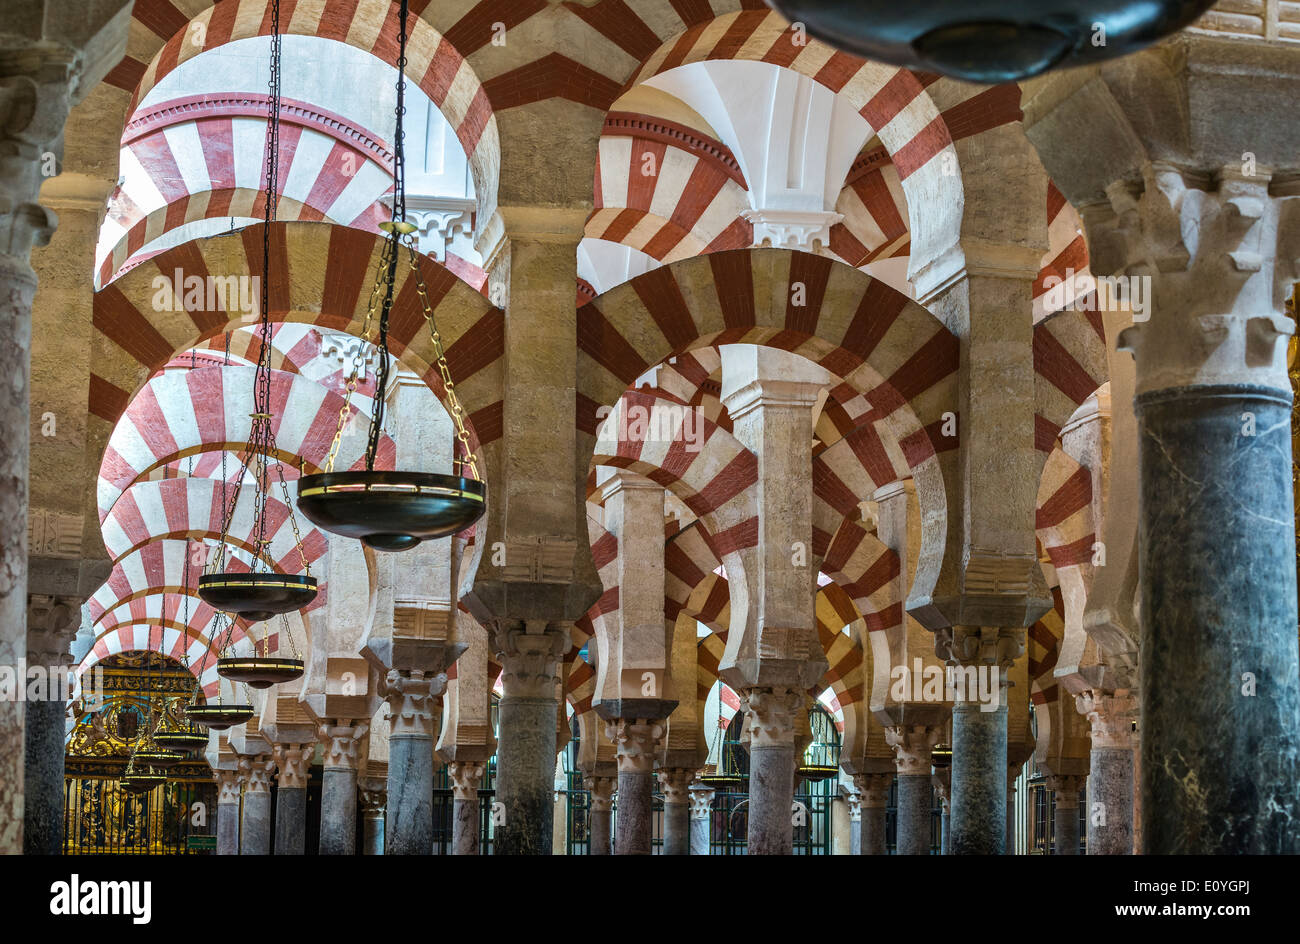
197,650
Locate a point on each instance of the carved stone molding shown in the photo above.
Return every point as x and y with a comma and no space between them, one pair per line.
292,762
255,773
602,793
913,745
980,645
342,743
675,784
53,534
1111,717
636,743
772,716
1067,788
411,700
466,776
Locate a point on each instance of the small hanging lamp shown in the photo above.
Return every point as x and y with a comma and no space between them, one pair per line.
724,776
141,776
821,758
395,511
262,592
990,41
184,735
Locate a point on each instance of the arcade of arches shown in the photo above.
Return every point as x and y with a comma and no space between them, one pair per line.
875,462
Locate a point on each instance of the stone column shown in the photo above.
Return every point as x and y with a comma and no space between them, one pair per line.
51,624
1110,772
338,795
374,800
942,782
636,743
529,654
874,791
228,784
1013,780
466,777
855,824
772,725
701,819
411,699
979,737
602,815
675,785
1065,819
255,824
912,746
291,762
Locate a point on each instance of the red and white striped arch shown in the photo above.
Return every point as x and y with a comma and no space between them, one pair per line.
875,212
204,157
323,276
187,412
171,639
166,33
1070,364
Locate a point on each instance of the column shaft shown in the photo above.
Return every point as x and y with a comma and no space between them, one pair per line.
43,777
409,826
290,820
1110,792
979,780
525,775
914,799
338,811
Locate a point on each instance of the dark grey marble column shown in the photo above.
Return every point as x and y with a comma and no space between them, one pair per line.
466,778
873,789
228,792
945,825
291,763
602,815
411,699
701,819
374,799
526,739
979,780
255,824
43,777
915,794
338,797
1220,682
674,785
1065,815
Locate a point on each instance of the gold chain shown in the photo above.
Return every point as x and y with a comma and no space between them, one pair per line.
359,359
293,519
453,401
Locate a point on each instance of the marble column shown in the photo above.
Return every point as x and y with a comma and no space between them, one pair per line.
338,795
228,790
255,824
1065,819
1110,771
374,800
291,764
855,824
51,624
874,791
912,746
675,785
602,815
772,724
942,782
979,737
1013,780
466,778
636,744
701,819
529,653
411,698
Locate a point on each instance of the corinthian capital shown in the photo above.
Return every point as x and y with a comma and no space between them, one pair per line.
873,789
637,742
1111,717
980,645
675,784
529,653
773,716
342,743
466,776
291,762
913,745
51,624
227,785
255,772
411,699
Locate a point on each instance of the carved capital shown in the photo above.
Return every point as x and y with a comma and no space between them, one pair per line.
1111,717
855,807
529,654
602,793
342,742
913,745
701,801
1067,788
411,699
466,776
636,742
773,716
228,783
675,784
374,796
873,789
981,645
292,762
255,773
52,622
